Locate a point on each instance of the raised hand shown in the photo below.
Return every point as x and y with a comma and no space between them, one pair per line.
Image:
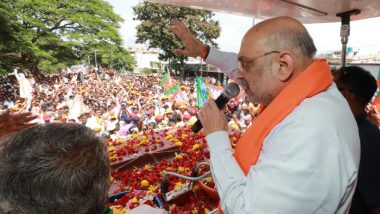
193,47
10,123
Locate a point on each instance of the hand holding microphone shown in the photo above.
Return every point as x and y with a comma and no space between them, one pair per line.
210,117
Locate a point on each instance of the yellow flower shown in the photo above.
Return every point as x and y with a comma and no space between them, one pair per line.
196,146
111,149
209,180
147,167
170,169
196,187
194,211
178,185
152,188
178,143
118,209
144,183
135,134
181,169
178,156
134,200
144,138
184,135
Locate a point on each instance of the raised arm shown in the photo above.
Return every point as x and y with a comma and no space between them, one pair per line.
225,61
10,123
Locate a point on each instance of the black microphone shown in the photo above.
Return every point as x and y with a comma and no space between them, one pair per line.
230,91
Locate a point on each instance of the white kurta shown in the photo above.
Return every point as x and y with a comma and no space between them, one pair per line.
308,163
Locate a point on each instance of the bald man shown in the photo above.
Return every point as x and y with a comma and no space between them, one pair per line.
301,154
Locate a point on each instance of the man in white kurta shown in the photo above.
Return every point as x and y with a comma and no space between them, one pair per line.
308,162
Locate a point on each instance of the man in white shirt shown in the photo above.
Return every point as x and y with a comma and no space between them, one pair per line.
308,161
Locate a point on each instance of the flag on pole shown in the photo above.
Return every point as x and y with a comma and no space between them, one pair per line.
168,83
202,91
172,89
165,76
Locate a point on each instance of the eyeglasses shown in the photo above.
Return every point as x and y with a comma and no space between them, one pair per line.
243,64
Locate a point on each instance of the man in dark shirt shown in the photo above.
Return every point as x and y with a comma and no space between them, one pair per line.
358,86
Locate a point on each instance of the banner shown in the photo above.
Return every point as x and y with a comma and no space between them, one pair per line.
167,81
172,90
214,90
202,91
376,97
376,100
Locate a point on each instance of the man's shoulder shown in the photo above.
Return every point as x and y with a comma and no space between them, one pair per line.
328,107
325,117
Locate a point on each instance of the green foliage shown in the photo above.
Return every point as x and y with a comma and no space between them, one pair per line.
49,34
147,71
155,29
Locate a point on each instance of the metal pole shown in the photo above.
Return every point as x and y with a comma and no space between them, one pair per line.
253,21
345,31
96,62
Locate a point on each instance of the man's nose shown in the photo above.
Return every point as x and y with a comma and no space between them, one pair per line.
239,74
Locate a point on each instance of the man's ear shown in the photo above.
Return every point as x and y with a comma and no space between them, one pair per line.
286,69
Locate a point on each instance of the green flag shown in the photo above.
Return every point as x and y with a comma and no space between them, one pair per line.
165,77
172,89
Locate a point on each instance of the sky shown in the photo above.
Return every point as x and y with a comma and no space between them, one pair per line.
364,36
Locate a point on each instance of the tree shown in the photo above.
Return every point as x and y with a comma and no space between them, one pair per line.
155,29
49,35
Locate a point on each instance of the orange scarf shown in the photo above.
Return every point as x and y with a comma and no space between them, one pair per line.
315,79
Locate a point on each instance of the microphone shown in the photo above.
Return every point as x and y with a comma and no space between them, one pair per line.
230,91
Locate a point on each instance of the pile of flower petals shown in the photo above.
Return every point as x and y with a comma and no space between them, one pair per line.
143,183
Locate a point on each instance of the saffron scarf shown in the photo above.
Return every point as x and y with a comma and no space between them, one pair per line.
315,79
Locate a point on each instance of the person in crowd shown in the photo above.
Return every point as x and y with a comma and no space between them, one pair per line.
301,155
172,121
358,86
54,168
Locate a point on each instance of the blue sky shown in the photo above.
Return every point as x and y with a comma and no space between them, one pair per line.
365,34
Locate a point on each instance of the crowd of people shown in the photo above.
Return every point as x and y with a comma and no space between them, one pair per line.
115,104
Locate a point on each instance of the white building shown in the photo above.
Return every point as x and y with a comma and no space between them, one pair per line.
144,57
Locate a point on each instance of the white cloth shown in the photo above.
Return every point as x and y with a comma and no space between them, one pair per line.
225,61
143,209
92,123
25,87
76,107
308,162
